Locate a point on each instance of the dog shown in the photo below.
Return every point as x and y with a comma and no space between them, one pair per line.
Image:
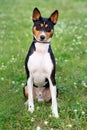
40,63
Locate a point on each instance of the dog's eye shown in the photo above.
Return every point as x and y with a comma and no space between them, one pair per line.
48,28
39,26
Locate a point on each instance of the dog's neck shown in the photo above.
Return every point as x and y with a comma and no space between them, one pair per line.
41,47
43,42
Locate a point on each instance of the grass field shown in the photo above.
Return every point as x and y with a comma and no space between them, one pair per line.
69,45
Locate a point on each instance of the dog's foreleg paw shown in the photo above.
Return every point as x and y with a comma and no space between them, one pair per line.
31,107
55,112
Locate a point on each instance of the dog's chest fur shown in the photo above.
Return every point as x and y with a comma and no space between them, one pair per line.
40,64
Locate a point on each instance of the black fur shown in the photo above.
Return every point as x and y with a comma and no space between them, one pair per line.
30,52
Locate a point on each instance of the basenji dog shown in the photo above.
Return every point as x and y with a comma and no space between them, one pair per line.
40,63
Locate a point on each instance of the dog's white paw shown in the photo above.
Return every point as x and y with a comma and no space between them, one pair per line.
31,107
55,112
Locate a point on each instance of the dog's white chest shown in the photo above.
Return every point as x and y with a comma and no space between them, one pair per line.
40,64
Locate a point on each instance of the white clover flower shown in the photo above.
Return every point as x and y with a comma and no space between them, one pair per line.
16,90
38,128
2,78
38,107
45,122
84,84
75,83
69,125
86,51
13,82
79,37
50,115
83,113
22,84
32,119
13,59
75,110
66,60
51,128
74,40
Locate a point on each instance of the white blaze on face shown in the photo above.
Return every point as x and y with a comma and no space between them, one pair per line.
43,33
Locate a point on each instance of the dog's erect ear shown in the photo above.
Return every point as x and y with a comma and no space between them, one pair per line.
36,14
54,17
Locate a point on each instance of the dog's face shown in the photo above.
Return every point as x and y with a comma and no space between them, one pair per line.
43,27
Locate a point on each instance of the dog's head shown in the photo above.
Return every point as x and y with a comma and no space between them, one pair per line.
43,27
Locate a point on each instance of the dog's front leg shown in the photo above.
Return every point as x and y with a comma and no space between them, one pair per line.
30,95
54,101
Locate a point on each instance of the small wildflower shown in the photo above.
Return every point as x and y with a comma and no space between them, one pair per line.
66,60
83,113
22,84
50,115
13,58
69,125
75,83
74,40
79,37
84,84
45,122
86,51
13,82
38,107
2,78
75,110
16,90
38,128
51,128
32,119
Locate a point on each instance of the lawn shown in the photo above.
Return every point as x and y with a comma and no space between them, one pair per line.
69,45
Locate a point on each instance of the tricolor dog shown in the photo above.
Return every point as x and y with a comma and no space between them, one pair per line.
40,63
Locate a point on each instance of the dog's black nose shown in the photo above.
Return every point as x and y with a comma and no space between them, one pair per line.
42,37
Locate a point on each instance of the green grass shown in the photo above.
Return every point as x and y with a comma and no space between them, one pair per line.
69,45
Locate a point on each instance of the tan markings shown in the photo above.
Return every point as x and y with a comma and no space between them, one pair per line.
36,33
45,93
49,34
41,25
46,25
